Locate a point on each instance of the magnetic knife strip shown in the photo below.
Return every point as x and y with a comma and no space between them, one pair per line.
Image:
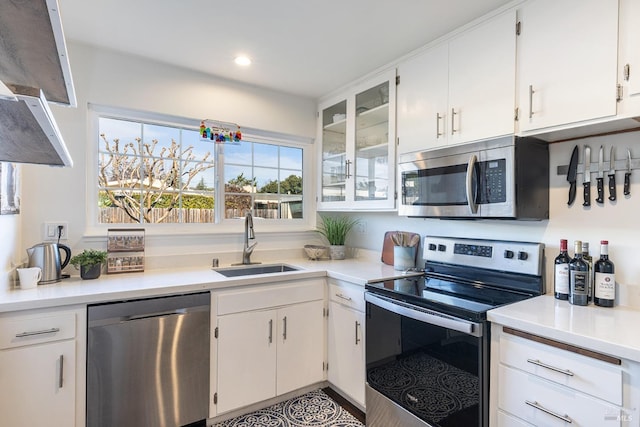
620,165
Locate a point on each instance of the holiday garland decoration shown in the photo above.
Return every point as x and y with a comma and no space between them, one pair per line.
220,132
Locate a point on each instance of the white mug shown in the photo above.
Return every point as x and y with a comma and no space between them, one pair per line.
29,277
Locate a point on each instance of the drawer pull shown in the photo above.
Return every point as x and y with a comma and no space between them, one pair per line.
343,297
42,332
536,405
552,368
357,326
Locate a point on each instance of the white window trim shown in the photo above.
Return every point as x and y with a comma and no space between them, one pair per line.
222,226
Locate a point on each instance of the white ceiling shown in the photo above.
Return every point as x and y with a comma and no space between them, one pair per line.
303,47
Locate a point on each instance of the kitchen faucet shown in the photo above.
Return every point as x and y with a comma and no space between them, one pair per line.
248,235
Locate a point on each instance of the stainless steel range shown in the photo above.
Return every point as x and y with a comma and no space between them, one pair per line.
427,347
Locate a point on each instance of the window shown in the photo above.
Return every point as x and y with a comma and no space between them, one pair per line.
151,172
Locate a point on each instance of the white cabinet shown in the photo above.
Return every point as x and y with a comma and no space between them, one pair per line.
567,62
461,90
270,341
357,147
38,369
482,80
345,345
541,382
629,58
422,100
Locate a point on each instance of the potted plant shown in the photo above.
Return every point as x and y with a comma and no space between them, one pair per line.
90,263
335,230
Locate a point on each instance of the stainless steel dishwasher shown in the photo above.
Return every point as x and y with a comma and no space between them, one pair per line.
148,362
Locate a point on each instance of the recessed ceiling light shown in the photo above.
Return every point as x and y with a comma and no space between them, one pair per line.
242,60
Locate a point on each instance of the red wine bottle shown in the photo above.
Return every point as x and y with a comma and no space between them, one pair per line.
605,278
578,277
561,276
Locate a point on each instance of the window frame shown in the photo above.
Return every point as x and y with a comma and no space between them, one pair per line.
221,224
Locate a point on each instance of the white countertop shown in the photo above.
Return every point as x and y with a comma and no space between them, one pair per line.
170,281
611,331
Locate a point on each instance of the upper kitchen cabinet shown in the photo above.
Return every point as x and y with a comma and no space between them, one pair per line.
567,62
357,147
629,59
461,90
422,100
33,72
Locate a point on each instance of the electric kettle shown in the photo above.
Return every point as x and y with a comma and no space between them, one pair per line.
47,256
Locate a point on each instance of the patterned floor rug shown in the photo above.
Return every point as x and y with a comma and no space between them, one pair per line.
314,409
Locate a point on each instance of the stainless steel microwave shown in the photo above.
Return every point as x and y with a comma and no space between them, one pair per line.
506,178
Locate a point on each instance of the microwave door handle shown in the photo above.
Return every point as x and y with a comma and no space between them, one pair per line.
471,196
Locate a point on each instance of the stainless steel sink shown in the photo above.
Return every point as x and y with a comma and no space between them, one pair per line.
250,270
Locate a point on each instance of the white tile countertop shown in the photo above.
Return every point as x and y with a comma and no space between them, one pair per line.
178,280
611,331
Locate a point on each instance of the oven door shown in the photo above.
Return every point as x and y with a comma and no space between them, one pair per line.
424,368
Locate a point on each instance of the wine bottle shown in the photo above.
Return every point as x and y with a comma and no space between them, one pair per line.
561,276
578,272
604,292
589,260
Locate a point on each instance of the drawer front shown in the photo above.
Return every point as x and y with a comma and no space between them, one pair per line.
21,331
347,294
508,420
543,403
270,296
582,373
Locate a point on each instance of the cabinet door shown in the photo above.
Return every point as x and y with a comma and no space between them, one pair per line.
333,153
567,61
482,81
38,385
246,358
422,100
346,351
374,151
300,346
629,58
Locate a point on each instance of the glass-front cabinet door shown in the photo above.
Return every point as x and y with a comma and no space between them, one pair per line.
357,147
334,153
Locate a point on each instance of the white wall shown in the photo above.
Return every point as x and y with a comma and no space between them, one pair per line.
111,79
9,247
617,222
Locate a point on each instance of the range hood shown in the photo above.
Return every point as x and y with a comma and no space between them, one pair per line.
28,132
33,72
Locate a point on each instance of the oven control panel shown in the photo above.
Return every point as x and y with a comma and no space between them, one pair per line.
501,255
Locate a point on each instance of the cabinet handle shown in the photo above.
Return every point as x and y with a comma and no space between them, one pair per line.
539,407
270,331
343,297
552,368
357,326
438,118
531,92
42,332
347,166
453,116
61,377
284,333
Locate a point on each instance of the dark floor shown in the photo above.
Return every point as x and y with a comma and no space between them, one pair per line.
345,404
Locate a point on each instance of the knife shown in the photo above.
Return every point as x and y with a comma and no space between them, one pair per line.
586,182
612,175
600,177
627,174
571,175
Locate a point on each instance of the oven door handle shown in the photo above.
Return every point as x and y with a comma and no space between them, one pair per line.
423,315
471,196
